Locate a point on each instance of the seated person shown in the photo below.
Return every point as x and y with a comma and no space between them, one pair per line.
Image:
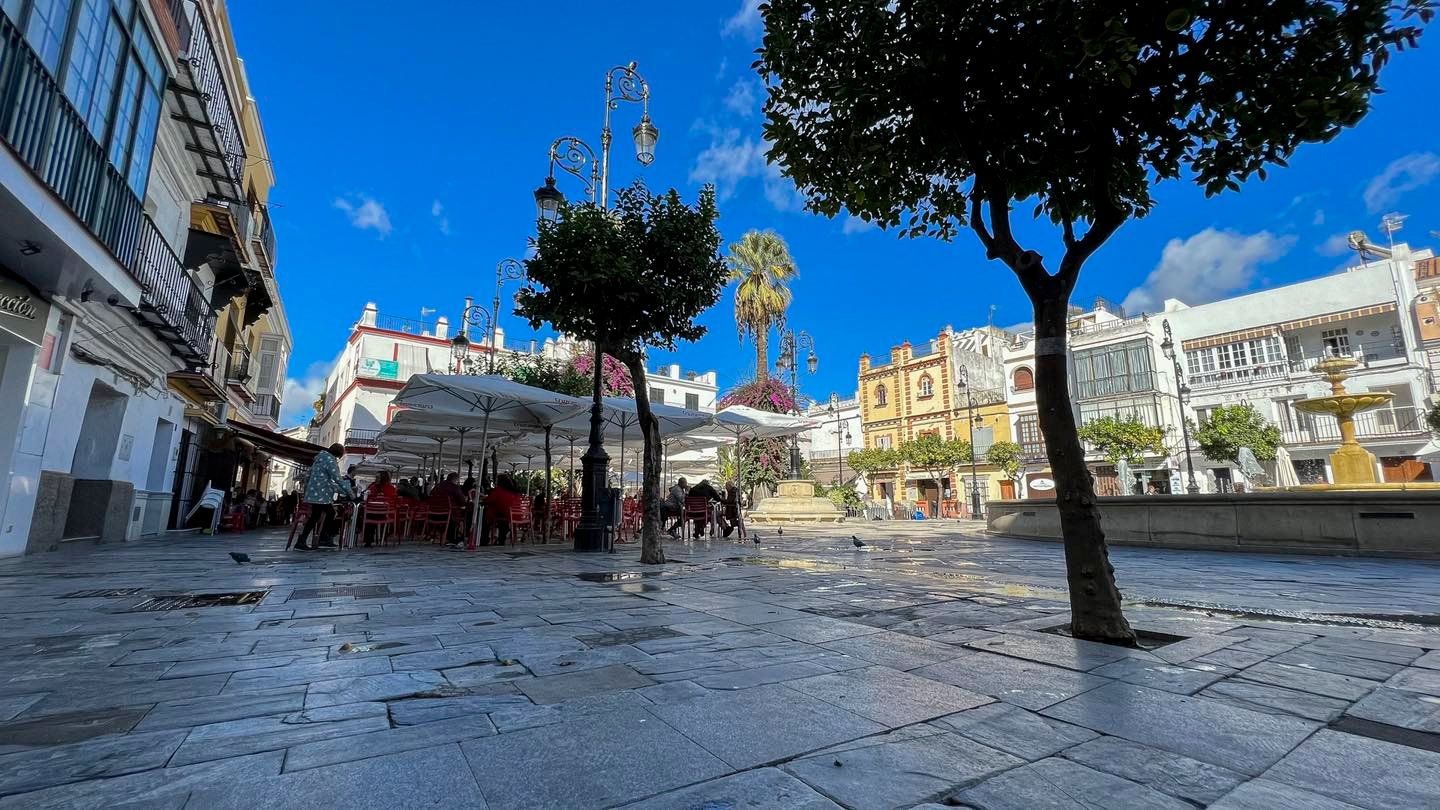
674,505
381,488
407,489
708,492
498,503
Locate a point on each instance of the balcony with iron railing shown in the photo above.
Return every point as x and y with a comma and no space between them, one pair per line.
239,373
266,406
362,439
50,136
1401,422
262,241
201,102
1126,326
171,305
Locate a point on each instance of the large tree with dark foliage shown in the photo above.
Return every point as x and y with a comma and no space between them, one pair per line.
630,277
931,116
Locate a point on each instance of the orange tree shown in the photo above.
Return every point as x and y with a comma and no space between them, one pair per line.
931,116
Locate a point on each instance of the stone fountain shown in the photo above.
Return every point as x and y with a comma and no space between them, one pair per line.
1352,465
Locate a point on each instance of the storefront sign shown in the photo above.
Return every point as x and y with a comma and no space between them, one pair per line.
22,312
379,369
1040,486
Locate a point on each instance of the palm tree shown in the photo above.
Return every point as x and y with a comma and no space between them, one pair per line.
761,266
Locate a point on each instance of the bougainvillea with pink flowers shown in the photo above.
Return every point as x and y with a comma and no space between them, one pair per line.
768,394
765,460
614,376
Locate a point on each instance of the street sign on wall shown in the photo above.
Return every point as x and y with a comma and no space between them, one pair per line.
1040,486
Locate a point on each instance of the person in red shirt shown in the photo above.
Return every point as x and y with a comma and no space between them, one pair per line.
382,489
498,504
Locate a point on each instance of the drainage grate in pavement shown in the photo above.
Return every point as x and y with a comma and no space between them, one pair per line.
197,600
103,593
356,591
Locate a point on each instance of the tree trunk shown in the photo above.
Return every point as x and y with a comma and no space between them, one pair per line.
652,552
762,353
1095,611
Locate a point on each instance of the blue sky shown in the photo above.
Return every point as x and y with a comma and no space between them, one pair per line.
406,150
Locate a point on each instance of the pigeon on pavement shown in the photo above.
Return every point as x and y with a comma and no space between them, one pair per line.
857,542
757,539
780,530
239,558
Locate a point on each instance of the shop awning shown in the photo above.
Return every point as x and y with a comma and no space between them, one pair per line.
276,444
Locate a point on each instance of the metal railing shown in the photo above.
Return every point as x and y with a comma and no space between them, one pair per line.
210,82
356,437
171,292
50,136
410,326
267,405
1377,424
1093,328
238,369
264,236
1235,376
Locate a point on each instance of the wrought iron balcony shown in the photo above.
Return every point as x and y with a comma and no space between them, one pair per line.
172,306
266,406
201,102
262,241
362,439
238,370
47,133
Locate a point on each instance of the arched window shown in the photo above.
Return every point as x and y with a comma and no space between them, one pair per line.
1024,379
927,386
880,395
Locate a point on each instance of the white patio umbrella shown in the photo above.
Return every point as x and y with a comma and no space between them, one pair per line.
621,412
501,404
741,422
1285,469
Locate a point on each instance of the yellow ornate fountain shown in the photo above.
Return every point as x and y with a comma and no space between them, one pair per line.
1351,464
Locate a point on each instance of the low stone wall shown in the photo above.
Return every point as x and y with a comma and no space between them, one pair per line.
1398,524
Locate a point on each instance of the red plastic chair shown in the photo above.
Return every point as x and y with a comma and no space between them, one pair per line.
522,516
696,509
438,514
384,516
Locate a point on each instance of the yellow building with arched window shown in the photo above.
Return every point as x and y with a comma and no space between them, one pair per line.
923,390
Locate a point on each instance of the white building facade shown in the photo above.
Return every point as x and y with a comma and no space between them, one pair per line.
838,434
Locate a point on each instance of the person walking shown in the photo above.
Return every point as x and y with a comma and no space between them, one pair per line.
321,489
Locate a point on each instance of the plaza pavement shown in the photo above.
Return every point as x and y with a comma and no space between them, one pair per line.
799,673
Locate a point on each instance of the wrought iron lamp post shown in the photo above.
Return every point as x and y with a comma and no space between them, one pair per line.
1182,394
964,382
505,270
842,435
790,346
476,316
573,155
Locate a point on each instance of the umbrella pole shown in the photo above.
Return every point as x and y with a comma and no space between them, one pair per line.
549,501
479,509
571,487
461,457
622,460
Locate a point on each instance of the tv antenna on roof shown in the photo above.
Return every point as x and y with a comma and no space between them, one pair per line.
425,312
1390,223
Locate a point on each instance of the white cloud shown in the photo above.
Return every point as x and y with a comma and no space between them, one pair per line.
1319,217
298,396
1206,267
746,21
741,98
1403,175
441,221
854,224
732,159
365,212
1337,245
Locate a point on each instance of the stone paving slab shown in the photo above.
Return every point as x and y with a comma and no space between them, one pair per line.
1016,731
1364,772
1158,675
253,735
887,696
432,777
1013,680
1064,785
1172,774
1397,707
1263,794
100,758
555,688
542,767
1275,699
1306,679
159,787
388,741
763,725
760,789
1196,727
900,773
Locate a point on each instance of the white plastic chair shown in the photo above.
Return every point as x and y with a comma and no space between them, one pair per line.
212,499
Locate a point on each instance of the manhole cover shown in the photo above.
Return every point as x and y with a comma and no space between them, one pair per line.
103,593
356,591
197,600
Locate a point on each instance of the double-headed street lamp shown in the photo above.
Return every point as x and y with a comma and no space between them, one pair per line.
505,270
572,155
970,419
1182,393
476,316
790,346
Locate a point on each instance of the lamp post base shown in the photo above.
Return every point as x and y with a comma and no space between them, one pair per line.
594,477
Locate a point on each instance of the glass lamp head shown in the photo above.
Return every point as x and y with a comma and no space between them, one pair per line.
645,137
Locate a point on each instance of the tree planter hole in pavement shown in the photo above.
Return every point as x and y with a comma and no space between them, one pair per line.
1144,639
196,600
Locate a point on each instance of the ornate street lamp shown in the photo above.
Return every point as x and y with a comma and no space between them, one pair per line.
473,315
842,435
790,346
505,270
970,419
1182,394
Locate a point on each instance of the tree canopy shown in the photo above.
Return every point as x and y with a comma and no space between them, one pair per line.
870,460
762,269
935,455
1008,457
1228,428
1129,440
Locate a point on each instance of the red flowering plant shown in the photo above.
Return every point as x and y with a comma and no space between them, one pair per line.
614,376
765,460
